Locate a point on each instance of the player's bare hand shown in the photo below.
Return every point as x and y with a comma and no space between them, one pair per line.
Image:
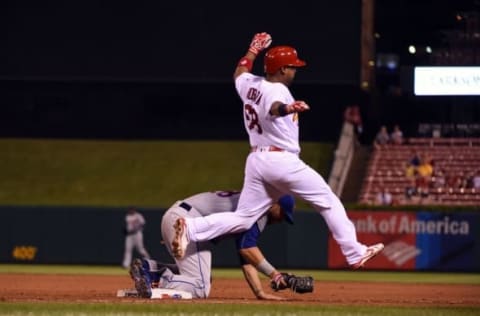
259,42
267,296
298,106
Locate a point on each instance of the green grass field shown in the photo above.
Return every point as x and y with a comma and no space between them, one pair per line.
120,173
209,308
321,275
200,309
154,174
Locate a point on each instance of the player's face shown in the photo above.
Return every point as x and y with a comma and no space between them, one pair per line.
289,74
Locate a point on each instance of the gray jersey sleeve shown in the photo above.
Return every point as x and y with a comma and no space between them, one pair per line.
207,203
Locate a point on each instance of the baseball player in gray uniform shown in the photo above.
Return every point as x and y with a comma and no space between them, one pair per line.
134,223
271,118
193,272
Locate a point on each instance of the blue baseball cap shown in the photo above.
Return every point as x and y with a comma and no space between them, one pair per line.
287,203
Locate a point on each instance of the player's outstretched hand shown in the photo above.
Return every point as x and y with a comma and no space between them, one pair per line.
259,42
278,282
267,296
297,106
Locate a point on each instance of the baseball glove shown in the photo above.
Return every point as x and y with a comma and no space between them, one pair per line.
298,284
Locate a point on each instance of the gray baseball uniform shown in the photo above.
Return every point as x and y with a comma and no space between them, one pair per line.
134,222
195,267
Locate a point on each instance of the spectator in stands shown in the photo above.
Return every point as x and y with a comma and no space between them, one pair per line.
439,180
384,197
382,138
414,158
463,179
411,173
352,115
469,178
424,175
476,180
456,180
452,180
412,164
396,137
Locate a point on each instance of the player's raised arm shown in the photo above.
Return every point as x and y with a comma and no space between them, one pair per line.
259,42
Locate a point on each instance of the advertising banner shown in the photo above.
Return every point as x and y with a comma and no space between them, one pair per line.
447,80
415,240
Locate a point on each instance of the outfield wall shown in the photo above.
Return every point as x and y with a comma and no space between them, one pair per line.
427,241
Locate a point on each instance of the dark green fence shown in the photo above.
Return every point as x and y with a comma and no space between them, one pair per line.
70,235
414,240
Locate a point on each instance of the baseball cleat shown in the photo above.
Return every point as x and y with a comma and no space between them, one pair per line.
141,279
180,241
371,252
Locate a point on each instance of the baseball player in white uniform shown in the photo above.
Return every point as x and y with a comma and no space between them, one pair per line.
134,223
194,270
273,167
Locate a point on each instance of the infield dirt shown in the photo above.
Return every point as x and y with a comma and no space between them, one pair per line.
95,288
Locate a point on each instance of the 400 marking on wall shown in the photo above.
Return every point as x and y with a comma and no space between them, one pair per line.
26,253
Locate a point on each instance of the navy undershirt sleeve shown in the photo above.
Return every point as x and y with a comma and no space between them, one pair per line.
247,239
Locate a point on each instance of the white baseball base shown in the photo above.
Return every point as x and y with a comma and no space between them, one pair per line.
158,294
127,293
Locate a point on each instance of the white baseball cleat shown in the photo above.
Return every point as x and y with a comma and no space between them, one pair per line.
371,252
180,241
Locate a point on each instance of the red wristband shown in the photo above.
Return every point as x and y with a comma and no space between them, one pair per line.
245,62
253,50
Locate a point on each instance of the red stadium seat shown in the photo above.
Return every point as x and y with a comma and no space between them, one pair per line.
455,156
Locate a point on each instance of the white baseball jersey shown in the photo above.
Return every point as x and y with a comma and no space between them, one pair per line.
264,129
270,173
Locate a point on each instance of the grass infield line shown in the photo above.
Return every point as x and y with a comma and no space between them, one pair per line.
201,309
321,275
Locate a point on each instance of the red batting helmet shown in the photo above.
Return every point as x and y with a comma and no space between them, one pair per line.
280,56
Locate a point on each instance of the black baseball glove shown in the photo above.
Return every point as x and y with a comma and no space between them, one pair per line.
297,284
